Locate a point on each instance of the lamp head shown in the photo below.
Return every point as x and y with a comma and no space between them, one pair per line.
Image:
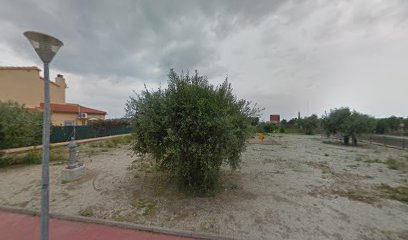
45,45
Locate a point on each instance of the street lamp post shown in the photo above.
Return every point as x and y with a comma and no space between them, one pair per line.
46,47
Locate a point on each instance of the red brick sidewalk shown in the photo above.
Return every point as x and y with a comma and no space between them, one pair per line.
15,226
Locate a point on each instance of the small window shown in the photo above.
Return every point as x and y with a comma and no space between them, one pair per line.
68,123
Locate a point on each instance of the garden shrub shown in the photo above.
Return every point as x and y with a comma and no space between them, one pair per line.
19,127
191,129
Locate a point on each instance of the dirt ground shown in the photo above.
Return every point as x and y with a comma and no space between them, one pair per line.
289,187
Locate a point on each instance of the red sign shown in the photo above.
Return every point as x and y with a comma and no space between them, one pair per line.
274,118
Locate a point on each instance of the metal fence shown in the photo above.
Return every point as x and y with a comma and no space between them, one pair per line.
387,140
65,133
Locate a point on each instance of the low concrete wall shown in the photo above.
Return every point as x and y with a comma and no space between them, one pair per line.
25,149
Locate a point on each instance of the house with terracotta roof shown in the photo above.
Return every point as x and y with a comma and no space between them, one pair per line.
25,86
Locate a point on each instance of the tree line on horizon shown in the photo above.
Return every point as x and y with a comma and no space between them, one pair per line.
349,123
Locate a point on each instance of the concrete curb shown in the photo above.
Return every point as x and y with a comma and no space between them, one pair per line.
124,225
24,149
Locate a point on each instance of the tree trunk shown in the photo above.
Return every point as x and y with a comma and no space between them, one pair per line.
354,139
346,140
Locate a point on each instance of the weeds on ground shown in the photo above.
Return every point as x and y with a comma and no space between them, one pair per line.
358,195
87,212
329,142
399,193
368,160
322,165
143,164
110,143
57,154
146,207
60,154
93,145
375,160
396,164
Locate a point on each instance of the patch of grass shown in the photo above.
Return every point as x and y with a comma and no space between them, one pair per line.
375,160
399,193
329,142
114,142
143,165
122,140
59,154
87,212
110,144
26,158
360,196
396,164
31,157
90,153
93,145
149,209
367,160
322,165
146,207
352,193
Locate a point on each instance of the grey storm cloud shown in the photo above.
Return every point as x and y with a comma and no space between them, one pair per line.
134,38
287,56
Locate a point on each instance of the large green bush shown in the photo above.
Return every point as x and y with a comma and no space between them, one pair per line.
18,127
191,129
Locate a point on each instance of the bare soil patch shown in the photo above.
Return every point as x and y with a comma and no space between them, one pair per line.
289,187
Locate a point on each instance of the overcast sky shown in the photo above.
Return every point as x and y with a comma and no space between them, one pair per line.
287,56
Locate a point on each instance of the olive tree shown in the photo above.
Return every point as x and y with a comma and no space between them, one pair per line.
348,123
191,128
356,124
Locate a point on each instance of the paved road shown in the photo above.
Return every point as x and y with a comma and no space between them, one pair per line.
26,227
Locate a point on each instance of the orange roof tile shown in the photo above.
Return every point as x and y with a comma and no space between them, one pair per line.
72,108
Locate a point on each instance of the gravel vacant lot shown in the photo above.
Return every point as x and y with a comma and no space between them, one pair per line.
289,187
